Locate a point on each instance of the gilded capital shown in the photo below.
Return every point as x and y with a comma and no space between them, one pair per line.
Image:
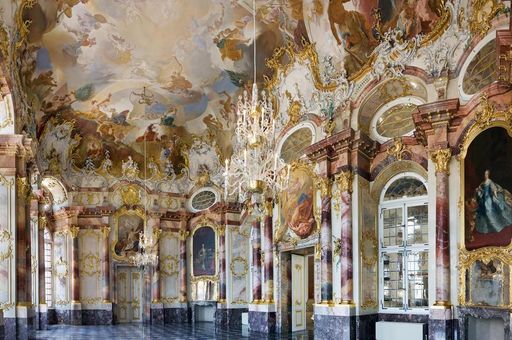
105,231
344,181
222,230
441,159
324,184
183,234
43,222
73,231
156,233
22,186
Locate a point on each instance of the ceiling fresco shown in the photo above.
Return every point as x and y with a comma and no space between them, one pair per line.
107,82
145,77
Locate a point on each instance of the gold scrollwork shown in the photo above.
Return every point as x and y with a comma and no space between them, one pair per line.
88,300
324,184
369,248
344,181
169,265
398,149
233,266
482,13
23,24
90,265
61,268
5,182
6,305
62,302
73,231
22,187
183,235
6,238
105,231
131,195
169,299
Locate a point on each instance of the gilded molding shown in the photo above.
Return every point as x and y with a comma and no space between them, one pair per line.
324,184
344,181
183,235
90,265
268,206
241,274
441,159
156,234
466,260
169,265
7,239
105,231
23,188
481,15
398,149
369,236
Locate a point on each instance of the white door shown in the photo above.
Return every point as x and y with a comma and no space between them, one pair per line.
298,293
129,294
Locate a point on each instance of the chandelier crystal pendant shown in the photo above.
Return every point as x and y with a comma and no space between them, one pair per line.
255,166
145,255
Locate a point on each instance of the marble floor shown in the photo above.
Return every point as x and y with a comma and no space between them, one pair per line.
201,330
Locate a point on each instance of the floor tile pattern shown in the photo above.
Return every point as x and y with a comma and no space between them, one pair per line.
200,330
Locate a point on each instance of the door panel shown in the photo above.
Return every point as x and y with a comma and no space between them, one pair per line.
129,294
298,293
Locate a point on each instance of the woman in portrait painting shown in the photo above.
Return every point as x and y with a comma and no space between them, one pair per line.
493,206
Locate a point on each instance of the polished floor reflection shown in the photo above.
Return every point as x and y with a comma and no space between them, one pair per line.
200,330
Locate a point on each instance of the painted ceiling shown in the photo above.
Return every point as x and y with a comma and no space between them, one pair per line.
108,82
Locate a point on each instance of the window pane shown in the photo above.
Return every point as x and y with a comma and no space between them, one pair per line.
392,227
417,279
393,279
405,187
417,224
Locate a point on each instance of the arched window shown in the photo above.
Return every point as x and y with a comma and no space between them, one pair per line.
403,246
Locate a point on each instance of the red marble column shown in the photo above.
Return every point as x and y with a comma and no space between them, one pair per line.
326,241
256,261
75,270
183,265
222,264
344,183
268,257
441,159
22,237
105,263
40,255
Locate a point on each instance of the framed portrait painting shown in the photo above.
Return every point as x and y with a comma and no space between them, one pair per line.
487,186
204,252
128,224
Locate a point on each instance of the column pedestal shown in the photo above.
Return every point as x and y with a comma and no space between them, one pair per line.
262,318
42,316
178,313
441,324
25,319
228,318
157,313
75,314
337,322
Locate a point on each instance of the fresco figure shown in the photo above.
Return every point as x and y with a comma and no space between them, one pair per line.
494,206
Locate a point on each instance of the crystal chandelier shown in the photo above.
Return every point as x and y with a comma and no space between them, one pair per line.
145,256
255,166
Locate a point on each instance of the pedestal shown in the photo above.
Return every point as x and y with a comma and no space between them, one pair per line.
75,314
157,314
441,323
335,322
177,313
262,318
42,316
25,317
97,314
228,318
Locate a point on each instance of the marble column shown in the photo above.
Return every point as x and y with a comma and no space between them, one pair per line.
256,261
441,323
222,264
105,264
183,265
326,241
268,253
441,159
76,312
344,184
43,308
157,308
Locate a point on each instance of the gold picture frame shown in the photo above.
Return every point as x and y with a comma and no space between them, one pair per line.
123,211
